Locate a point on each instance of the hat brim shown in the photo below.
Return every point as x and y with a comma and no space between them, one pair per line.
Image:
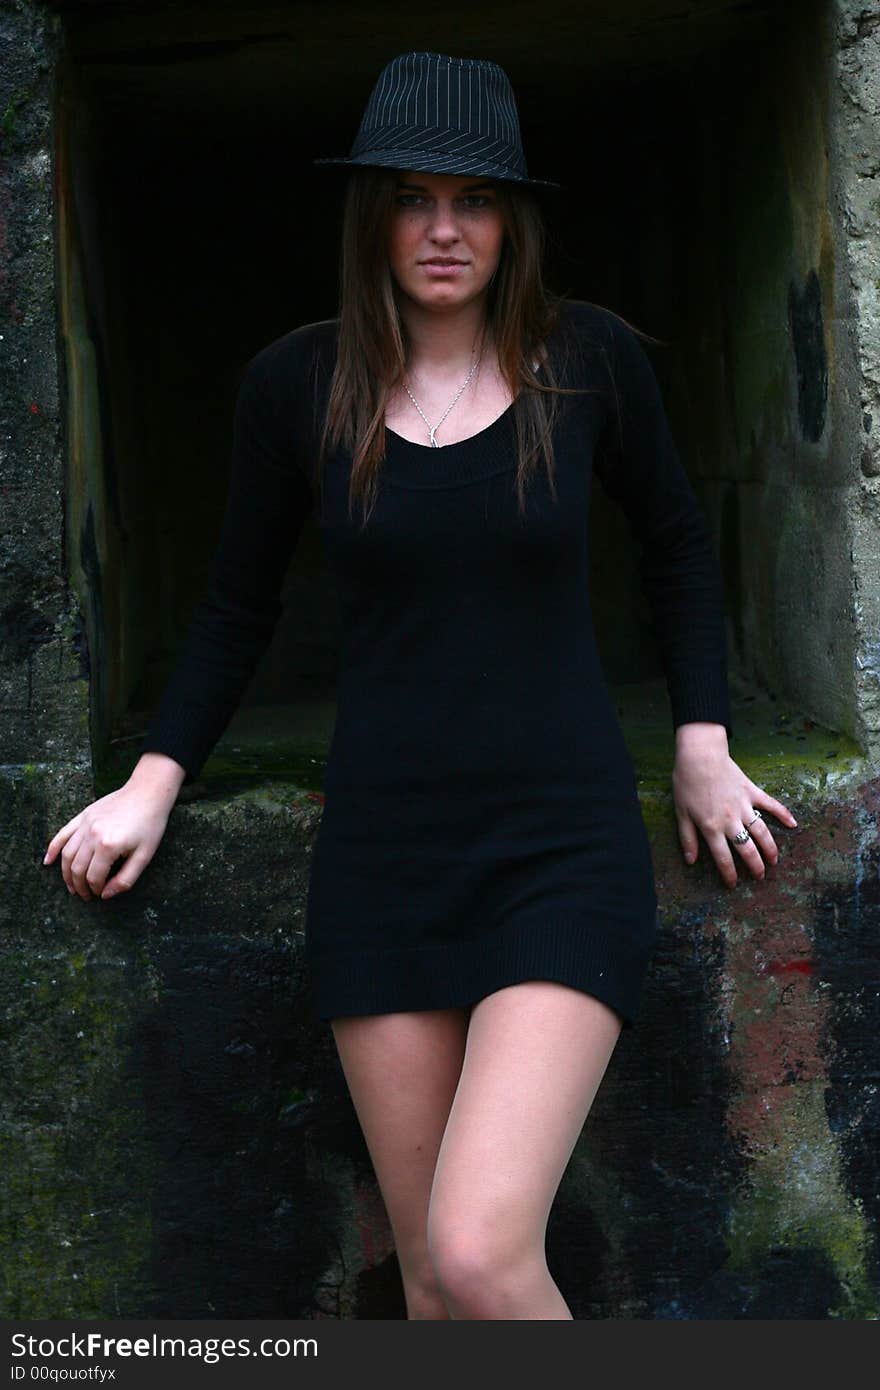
420,162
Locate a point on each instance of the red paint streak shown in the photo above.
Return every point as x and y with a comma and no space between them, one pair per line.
778,1023
787,967
315,796
35,409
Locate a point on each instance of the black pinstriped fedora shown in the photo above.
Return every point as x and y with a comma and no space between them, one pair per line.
442,115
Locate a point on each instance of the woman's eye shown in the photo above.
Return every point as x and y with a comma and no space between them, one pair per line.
471,201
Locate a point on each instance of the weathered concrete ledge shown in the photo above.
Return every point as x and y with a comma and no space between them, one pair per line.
180,1133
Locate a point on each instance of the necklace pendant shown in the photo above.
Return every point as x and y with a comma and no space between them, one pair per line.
431,428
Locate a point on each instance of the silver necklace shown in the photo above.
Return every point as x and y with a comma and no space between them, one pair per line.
432,429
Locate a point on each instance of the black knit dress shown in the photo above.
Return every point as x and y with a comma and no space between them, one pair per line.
481,823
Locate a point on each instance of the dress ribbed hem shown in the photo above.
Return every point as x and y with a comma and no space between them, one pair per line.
599,962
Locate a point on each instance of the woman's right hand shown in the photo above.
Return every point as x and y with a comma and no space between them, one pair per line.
127,824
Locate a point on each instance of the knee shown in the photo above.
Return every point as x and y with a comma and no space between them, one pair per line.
479,1272
466,1266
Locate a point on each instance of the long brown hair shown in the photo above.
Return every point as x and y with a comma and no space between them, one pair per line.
521,313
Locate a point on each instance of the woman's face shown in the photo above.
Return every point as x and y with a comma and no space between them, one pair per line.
446,235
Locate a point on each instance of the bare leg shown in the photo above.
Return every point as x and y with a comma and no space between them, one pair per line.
535,1055
402,1070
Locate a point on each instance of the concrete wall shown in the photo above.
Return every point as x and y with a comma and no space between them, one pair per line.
176,1134
854,152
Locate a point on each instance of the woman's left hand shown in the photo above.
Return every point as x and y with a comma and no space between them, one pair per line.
713,794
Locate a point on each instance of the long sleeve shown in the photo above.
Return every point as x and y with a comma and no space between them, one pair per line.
268,501
638,465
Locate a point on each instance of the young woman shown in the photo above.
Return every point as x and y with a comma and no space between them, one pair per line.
481,906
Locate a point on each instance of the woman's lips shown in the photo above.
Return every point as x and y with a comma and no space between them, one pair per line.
436,269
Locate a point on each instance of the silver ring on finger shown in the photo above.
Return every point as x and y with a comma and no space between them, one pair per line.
756,816
741,837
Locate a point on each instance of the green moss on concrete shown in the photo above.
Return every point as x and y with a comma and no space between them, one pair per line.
9,119
780,749
792,758
67,1250
75,1234
78,1173
796,1195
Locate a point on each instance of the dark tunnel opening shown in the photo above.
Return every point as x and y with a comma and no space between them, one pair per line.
195,229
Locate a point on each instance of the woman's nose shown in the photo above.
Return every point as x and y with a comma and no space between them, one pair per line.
444,223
